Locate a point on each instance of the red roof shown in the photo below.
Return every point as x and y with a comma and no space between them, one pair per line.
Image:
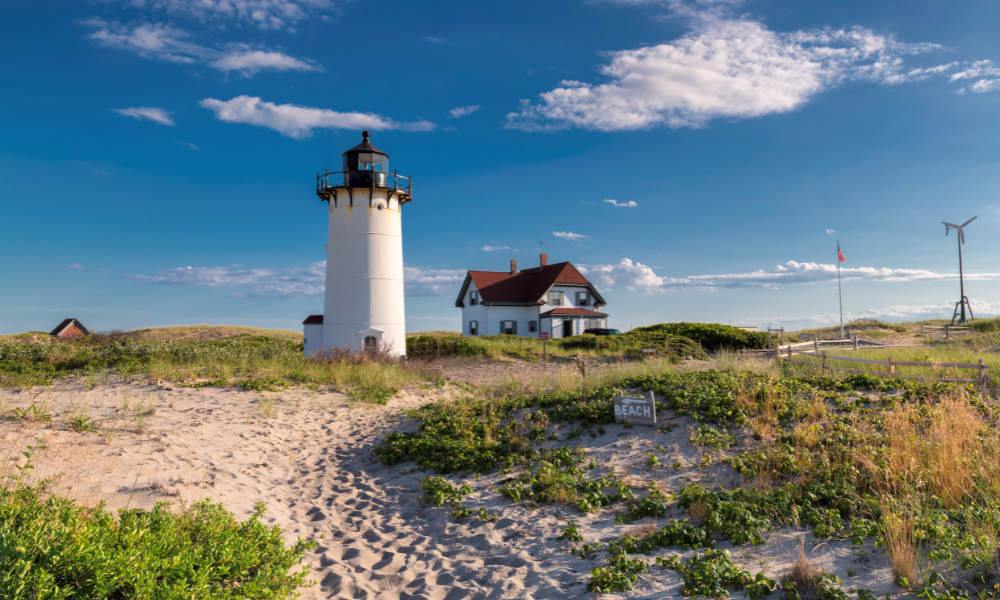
527,286
574,311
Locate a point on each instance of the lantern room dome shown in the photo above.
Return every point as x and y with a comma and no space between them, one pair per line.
365,146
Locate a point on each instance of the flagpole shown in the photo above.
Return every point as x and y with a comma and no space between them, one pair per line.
840,294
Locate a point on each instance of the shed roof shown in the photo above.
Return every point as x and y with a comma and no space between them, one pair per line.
313,320
66,323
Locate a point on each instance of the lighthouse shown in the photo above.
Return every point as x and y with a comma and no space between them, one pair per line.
363,307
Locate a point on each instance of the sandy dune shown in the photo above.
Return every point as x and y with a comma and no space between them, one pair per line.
308,458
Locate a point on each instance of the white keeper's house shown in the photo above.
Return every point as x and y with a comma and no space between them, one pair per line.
556,299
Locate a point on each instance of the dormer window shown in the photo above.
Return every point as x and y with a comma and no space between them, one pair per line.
473,298
555,298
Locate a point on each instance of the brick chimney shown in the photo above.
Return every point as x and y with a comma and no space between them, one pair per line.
513,266
545,260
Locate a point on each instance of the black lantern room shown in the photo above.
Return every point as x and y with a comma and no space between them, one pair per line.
365,166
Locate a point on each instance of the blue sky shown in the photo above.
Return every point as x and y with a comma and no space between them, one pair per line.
699,160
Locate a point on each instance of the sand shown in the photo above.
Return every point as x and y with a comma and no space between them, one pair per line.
308,458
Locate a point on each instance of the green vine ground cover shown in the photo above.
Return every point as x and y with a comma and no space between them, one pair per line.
821,454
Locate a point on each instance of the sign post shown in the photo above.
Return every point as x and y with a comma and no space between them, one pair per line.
638,411
545,337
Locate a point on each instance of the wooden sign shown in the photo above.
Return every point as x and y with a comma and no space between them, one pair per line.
543,335
637,411
648,350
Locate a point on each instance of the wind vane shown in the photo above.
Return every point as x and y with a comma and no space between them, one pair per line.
963,302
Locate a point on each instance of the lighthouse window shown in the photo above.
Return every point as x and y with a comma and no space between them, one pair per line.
372,162
473,298
371,342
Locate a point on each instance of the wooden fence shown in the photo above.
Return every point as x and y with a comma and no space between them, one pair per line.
892,364
947,329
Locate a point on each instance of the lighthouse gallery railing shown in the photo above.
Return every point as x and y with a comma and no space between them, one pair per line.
375,179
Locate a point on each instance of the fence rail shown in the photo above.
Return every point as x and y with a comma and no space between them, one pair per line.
980,367
947,329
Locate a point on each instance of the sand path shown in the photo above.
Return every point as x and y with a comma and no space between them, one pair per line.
310,462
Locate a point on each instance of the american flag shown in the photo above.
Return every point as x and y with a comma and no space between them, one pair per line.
840,255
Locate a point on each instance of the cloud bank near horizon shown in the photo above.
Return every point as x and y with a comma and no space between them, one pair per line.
295,281
635,276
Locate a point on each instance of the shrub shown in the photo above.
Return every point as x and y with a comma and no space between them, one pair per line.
454,345
633,344
712,336
53,548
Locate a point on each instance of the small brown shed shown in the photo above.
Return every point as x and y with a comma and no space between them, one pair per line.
70,329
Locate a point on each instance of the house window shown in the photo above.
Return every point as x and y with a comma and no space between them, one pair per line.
582,299
371,342
556,298
532,326
473,327
508,327
473,298
593,323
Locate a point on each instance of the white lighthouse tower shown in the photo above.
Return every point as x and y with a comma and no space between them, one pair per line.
364,255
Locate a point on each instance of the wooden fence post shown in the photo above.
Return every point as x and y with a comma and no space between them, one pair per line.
892,367
982,376
816,342
946,332
789,353
856,342
921,330
777,355
824,361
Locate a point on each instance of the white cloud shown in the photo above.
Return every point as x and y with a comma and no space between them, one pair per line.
72,267
147,112
189,145
985,85
636,276
632,276
297,121
157,41
629,204
494,248
978,70
982,68
248,61
265,14
569,235
724,68
831,231
296,281
461,111
432,282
